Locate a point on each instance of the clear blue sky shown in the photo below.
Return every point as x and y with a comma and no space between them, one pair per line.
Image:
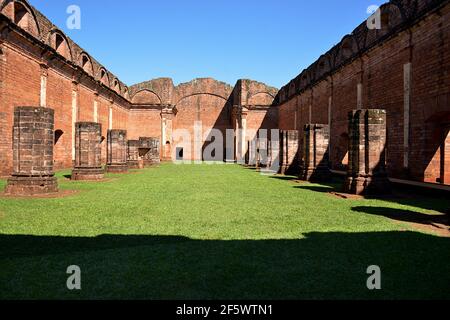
265,40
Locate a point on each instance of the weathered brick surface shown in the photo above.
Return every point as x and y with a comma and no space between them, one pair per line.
88,164
289,152
314,164
32,152
367,153
413,32
134,160
149,150
117,151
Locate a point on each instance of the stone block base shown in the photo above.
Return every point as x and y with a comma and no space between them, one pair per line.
29,186
369,185
117,168
87,174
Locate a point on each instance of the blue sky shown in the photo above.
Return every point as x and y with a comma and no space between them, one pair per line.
271,41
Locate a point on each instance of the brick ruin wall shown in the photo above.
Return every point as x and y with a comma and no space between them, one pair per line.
402,68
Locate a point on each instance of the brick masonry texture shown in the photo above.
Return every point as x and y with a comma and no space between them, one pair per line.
117,151
367,153
314,162
88,139
402,68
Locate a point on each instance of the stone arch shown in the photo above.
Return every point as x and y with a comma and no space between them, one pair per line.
347,49
436,132
126,93
260,98
103,76
58,41
85,62
116,85
146,96
22,14
304,79
322,66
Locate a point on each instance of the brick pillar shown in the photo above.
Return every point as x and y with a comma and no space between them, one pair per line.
149,150
133,159
315,153
88,137
117,151
289,152
367,168
33,139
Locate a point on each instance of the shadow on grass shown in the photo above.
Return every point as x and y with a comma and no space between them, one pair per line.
318,266
285,178
419,198
406,215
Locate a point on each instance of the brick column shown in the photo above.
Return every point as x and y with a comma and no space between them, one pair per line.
167,116
133,159
88,137
315,153
117,151
33,138
149,150
289,152
367,167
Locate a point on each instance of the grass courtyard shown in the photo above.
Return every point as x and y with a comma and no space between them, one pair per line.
217,232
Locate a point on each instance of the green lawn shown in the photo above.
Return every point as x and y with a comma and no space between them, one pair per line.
216,232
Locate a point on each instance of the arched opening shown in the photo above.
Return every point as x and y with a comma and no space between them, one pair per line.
116,86
59,40
58,135
346,50
86,64
104,77
21,15
60,45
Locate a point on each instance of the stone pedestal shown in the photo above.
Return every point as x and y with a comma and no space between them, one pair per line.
367,160
315,153
133,154
88,137
149,150
33,138
117,151
289,152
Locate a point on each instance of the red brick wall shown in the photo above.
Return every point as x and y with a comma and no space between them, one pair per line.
144,123
380,71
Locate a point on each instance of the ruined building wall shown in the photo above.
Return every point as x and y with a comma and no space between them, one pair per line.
403,68
40,66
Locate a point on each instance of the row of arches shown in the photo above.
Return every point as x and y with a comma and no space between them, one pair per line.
391,17
146,96
24,16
